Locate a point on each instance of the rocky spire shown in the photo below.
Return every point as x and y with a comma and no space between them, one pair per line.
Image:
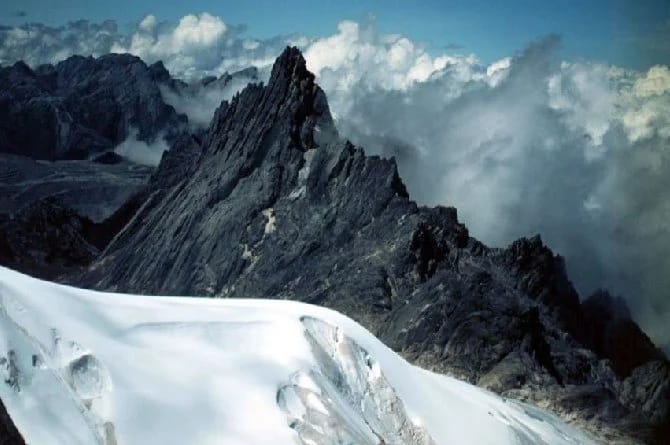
273,205
291,104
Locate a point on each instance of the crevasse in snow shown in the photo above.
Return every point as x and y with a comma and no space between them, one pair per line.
85,367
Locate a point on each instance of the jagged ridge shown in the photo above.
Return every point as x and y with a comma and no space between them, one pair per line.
82,106
272,203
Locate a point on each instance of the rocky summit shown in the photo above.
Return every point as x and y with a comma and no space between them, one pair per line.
272,203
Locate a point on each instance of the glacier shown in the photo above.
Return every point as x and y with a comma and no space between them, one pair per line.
86,367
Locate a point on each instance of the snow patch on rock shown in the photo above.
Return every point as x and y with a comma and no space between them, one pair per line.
271,221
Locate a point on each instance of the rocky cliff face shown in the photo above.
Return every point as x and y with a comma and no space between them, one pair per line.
83,106
9,435
272,203
55,217
94,190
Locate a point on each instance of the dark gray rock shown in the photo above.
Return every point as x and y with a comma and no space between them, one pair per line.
108,157
50,241
247,74
56,217
82,106
200,98
271,203
647,390
45,240
607,327
178,162
9,435
94,190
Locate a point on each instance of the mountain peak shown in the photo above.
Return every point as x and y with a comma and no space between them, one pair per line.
273,204
290,65
292,104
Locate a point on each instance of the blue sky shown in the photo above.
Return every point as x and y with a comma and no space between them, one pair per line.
628,33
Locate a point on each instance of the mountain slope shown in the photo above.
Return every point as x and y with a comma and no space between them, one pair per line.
92,189
272,203
124,369
82,106
55,217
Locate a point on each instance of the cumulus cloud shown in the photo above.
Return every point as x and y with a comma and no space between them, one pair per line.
403,61
36,43
648,113
358,59
576,151
197,45
185,47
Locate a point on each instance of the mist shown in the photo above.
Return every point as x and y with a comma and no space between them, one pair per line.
141,152
200,99
576,151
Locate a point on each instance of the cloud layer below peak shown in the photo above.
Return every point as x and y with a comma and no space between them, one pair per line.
576,151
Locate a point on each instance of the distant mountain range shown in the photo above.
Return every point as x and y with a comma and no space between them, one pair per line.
271,202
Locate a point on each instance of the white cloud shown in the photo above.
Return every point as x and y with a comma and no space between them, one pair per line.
36,43
200,102
654,83
527,144
196,31
148,23
193,32
250,45
359,55
647,106
142,152
197,45
638,123
497,71
357,59
577,151
583,92
183,46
